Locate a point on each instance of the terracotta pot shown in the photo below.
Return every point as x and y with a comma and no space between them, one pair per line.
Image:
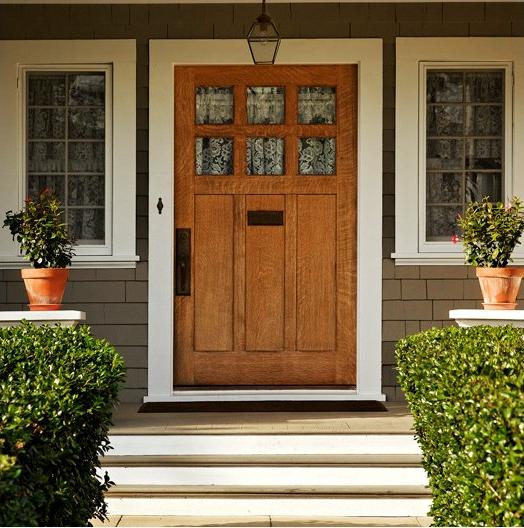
45,287
500,287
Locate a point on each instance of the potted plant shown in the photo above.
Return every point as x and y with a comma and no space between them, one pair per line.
46,243
490,232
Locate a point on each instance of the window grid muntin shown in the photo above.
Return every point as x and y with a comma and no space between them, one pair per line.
67,72
464,171
244,128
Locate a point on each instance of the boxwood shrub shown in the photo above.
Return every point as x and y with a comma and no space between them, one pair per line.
465,388
58,387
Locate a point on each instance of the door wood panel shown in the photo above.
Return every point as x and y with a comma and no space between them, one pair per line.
213,240
265,278
270,305
316,272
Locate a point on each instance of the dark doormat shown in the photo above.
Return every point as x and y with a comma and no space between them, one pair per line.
263,406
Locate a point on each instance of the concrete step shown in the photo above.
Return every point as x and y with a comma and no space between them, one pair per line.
235,505
270,479
322,445
310,475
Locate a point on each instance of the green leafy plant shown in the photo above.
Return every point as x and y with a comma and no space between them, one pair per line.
490,232
465,389
58,387
38,228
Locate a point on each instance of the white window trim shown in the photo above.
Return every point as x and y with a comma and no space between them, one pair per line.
81,250
118,59
414,57
447,246
164,55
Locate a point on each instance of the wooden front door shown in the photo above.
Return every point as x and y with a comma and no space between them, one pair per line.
265,217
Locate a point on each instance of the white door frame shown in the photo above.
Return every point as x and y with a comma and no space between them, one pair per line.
164,55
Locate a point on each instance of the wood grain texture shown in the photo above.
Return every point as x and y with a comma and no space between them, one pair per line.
240,273
276,305
213,275
347,172
316,272
265,274
290,323
270,368
266,184
183,201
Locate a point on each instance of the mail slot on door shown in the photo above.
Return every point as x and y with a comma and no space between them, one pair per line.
265,218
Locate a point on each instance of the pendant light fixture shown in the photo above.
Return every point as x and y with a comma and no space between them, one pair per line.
263,38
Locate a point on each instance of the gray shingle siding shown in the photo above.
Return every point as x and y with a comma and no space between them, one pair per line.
414,298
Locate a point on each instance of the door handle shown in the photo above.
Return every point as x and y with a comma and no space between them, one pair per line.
183,262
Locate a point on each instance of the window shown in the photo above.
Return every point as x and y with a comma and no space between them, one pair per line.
465,128
68,122
67,115
464,144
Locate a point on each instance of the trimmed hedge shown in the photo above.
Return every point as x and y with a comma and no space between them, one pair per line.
465,388
58,387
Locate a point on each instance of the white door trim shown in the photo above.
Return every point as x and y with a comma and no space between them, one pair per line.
164,55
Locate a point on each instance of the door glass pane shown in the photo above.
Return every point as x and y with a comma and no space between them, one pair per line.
214,156
316,156
65,131
265,156
317,105
464,144
214,105
265,105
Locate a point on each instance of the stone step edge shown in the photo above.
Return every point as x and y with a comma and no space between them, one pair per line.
263,492
253,431
261,460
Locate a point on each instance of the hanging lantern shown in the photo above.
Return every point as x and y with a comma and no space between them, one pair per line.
263,38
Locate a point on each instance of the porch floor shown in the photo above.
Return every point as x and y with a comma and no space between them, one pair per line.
397,420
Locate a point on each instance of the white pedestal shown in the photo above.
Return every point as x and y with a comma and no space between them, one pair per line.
468,318
60,317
